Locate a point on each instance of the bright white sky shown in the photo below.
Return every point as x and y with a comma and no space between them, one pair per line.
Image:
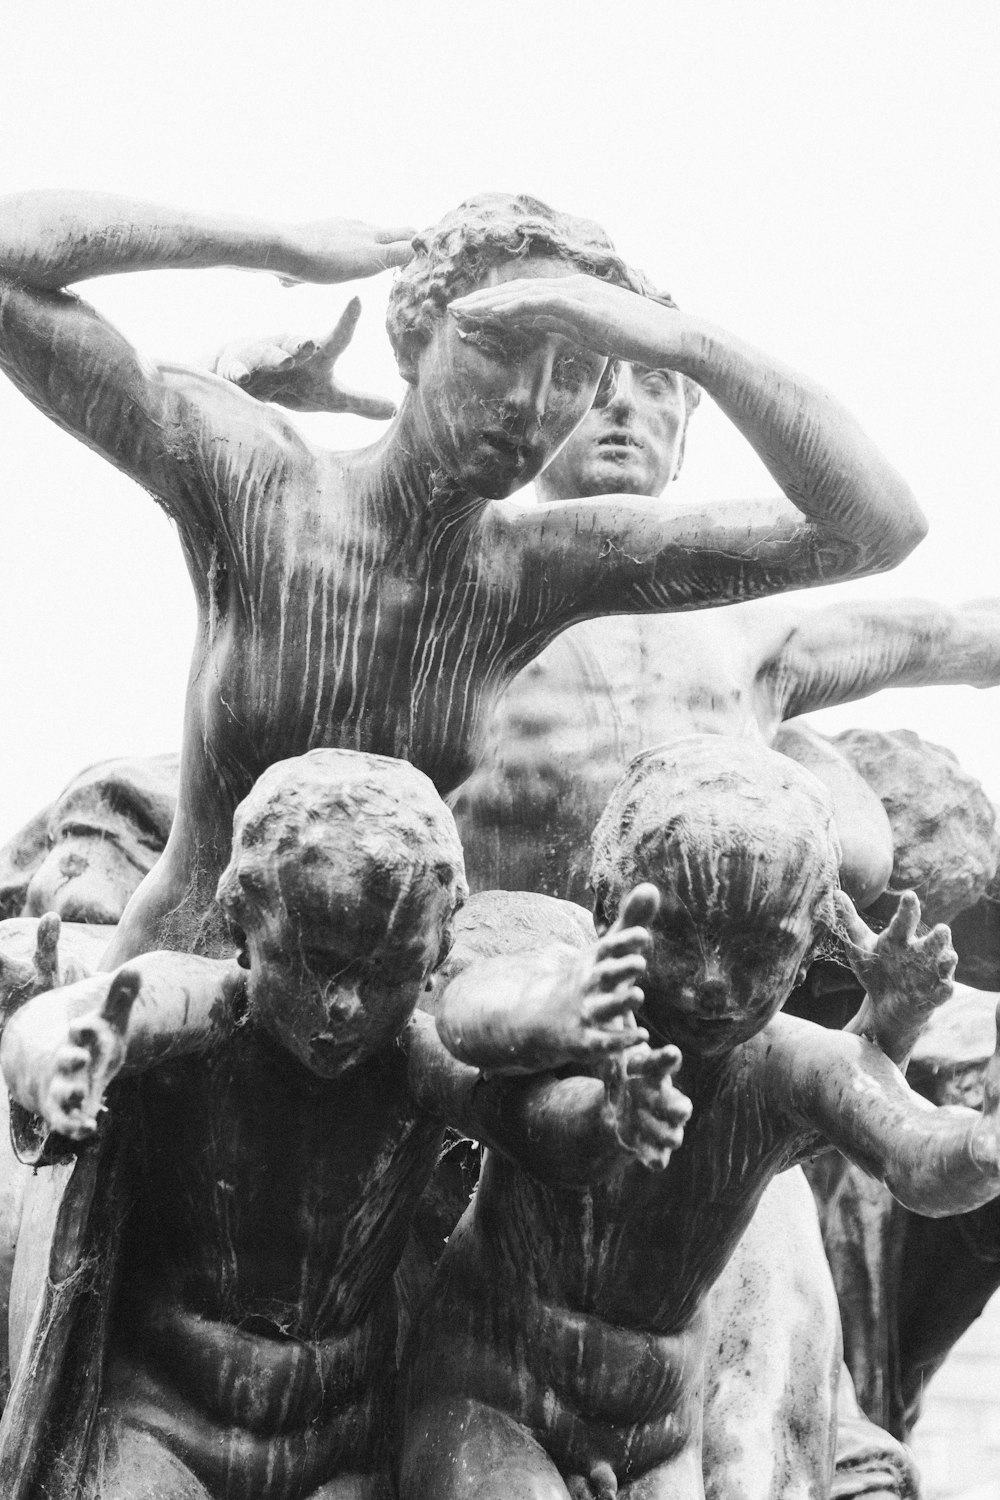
821,178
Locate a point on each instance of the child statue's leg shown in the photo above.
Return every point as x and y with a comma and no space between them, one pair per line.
465,1450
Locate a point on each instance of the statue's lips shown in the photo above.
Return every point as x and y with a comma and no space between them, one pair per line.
508,448
618,442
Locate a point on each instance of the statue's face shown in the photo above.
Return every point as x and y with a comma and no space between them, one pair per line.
720,971
495,405
632,446
100,850
325,997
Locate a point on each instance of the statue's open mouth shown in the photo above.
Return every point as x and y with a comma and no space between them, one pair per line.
618,439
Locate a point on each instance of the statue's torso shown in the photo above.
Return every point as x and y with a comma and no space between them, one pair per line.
270,1212
569,724
582,1312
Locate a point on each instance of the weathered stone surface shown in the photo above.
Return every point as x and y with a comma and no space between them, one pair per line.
945,839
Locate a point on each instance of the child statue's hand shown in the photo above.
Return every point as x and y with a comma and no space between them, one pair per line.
588,1013
298,372
906,977
83,1066
647,1110
20,980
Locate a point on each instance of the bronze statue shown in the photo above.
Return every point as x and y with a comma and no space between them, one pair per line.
380,599
232,1329
561,1351
603,691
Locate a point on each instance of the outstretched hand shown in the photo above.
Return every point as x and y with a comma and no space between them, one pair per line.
588,1014
21,980
84,1066
591,313
647,1110
299,373
899,970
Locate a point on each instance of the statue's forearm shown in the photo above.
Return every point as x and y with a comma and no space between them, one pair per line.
847,651
557,1129
52,239
183,1004
894,1026
816,451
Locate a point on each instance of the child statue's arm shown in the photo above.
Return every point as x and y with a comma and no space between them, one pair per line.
934,1161
569,1131
906,977
538,1011
61,1049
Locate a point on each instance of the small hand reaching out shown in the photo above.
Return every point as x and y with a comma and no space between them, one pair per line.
298,373
588,1012
647,1110
906,977
84,1066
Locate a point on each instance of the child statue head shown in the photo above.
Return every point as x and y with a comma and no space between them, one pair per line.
343,883
741,844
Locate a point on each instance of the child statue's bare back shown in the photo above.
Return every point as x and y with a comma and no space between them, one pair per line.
380,599
561,1350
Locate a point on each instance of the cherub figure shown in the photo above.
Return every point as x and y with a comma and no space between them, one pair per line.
561,1350
276,1120
380,600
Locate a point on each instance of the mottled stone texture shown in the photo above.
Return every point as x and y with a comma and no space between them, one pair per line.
945,841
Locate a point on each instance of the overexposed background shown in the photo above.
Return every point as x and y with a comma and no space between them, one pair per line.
821,178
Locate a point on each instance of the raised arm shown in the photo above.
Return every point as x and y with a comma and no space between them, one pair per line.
186,437
849,513
61,1049
934,1161
847,651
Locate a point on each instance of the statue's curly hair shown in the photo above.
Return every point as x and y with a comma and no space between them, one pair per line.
454,255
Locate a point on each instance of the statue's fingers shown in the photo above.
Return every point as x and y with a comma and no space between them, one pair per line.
119,1000
364,405
396,234
853,927
638,909
612,969
397,251
74,1059
905,919
610,1007
337,340
618,941
47,950
659,1061
608,1042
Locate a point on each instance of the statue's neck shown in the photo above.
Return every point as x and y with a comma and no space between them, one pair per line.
407,480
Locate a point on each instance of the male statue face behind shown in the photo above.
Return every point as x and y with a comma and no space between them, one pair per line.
633,445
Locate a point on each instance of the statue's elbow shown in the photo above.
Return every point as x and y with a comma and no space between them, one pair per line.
908,531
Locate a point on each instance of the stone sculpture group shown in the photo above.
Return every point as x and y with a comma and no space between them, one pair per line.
261,1042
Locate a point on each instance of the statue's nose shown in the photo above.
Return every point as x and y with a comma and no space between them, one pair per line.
714,996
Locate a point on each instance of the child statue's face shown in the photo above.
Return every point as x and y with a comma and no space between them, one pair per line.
330,999
495,405
727,951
